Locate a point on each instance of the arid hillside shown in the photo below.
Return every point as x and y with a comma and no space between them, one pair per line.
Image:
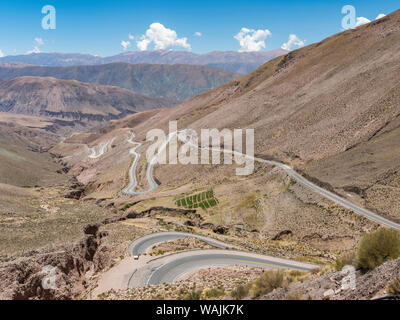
40,96
320,109
331,109
313,102
172,82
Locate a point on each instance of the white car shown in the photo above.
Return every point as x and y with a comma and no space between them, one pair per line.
136,257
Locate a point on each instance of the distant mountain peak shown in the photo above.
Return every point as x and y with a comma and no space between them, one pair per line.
239,62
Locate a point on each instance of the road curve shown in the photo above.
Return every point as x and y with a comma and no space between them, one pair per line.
182,263
102,149
170,267
335,198
183,136
142,245
133,182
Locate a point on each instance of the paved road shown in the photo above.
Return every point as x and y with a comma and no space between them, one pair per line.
145,243
169,267
132,172
184,136
178,265
335,198
102,149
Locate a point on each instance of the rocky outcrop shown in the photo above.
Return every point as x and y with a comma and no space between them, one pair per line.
57,275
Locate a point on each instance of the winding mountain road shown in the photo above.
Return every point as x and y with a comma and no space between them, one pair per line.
142,245
327,194
184,136
102,149
170,267
132,172
175,266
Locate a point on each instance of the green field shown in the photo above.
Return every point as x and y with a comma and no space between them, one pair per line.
204,200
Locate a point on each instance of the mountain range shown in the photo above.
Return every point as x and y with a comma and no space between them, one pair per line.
171,82
328,114
239,62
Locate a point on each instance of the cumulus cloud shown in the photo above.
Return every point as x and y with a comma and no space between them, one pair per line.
198,34
125,44
362,20
252,40
293,42
131,37
162,38
1,54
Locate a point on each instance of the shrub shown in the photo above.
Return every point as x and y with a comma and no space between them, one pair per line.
394,286
240,292
127,206
194,295
345,260
295,295
213,293
267,282
378,247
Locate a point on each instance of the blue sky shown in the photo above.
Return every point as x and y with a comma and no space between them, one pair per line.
98,27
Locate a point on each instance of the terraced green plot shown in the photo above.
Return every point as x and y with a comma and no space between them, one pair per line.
202,200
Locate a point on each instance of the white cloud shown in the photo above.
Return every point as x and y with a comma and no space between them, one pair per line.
34,50
1,54
162,38
198,34
252,40
36,47
362,20
131,37
39,41
125,44
293,42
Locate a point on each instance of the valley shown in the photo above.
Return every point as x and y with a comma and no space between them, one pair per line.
79,192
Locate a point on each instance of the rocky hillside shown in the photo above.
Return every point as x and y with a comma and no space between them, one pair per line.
334,115
313,109
43,96
176,83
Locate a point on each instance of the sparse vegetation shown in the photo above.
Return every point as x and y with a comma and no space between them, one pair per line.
213,293
249,202
394,286
193,295
127,206
240,292
267,282
378,247
344,260
295,295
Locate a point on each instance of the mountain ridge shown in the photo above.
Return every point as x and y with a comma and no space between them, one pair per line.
70,99
238,62
171,82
